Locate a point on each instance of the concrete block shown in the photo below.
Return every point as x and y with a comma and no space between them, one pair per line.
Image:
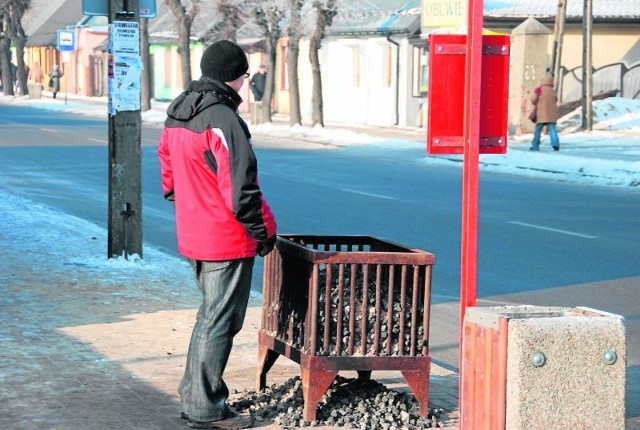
561,372
565,367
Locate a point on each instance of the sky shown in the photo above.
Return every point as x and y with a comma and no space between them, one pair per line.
607,156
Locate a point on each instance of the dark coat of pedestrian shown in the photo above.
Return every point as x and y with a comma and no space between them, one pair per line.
54,79
545,101
208,168
258,82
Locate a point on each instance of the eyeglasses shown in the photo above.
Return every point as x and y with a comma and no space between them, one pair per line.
246,75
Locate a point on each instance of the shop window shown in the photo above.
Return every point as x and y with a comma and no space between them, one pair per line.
387,61
284,70
420,79
355,66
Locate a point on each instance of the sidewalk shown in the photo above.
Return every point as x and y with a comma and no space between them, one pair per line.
89,344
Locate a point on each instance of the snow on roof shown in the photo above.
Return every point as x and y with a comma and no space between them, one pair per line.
602,9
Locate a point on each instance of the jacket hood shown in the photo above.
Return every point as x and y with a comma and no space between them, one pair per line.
199,95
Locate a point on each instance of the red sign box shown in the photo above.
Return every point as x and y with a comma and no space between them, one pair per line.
445,129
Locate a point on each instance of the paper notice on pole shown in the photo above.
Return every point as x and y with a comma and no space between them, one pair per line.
124,84
124,67
125,37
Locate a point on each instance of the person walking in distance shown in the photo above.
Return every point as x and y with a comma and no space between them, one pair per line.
210,172
54,79
546,102
257,83
36,75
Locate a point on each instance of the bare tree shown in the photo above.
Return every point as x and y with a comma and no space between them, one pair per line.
231,18
268,19
293,50
5,55
12,12
325,10
184,20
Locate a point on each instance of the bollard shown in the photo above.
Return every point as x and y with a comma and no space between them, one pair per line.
256,113
35,90
531,367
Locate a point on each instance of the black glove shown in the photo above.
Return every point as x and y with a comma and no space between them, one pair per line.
267,246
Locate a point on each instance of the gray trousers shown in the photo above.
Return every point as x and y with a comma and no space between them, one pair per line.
225,287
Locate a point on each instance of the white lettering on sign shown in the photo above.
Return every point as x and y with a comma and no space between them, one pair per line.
444,13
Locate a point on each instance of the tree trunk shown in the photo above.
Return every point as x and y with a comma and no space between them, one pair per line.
269,84
5,59
22,70
324,18
184,20
145,77
184,49
269,20
587,66
295,117
317,116
558,39
293,51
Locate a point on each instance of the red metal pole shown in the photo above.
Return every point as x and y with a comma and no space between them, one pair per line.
470,176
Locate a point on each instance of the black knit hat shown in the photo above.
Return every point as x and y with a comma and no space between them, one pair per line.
224,61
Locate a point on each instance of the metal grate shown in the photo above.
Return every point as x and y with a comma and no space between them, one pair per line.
346,302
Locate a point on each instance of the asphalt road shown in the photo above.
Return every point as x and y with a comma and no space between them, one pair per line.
540,242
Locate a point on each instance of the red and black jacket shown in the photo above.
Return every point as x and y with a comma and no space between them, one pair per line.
209,168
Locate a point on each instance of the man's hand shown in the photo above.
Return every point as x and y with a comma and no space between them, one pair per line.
267,246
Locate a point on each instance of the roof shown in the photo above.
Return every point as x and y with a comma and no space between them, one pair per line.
359,17
44,18
602,9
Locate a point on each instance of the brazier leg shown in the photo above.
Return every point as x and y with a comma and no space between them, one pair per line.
418,381
314,384
266,359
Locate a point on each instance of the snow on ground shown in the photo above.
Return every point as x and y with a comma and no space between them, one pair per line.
609,155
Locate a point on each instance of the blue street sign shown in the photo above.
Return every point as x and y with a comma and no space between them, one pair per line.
66,40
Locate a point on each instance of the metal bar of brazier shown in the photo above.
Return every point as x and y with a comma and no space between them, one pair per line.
334,303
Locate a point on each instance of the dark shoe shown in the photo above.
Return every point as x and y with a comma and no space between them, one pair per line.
556,148
184,415
534,149
231,421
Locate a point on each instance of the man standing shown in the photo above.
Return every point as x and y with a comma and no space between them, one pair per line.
209,169
257,83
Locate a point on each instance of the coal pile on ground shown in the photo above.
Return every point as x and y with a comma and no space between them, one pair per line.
349,403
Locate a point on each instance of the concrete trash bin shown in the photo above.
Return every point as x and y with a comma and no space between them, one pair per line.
532,367
35,90
256,113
